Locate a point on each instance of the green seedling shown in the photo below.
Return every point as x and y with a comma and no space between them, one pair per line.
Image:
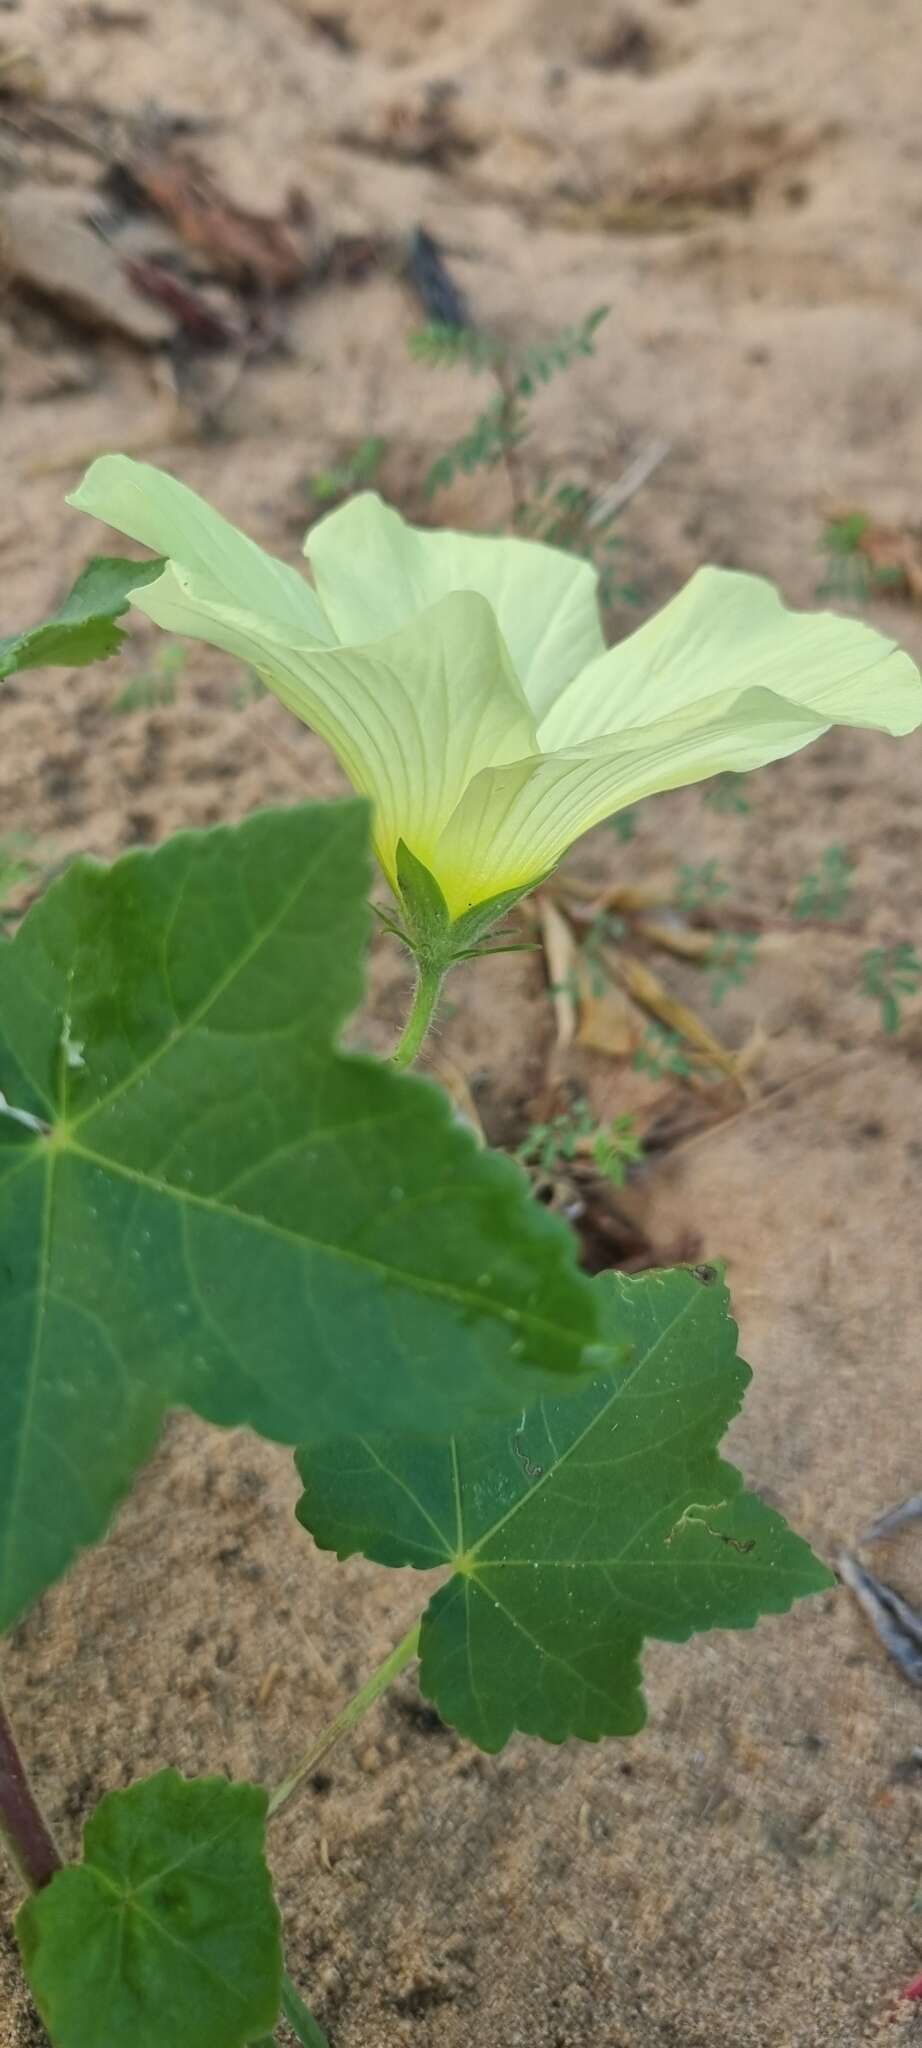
662,1052
208,1204
613,1146
355,472
730,963
700,886
154,687
725,796
824,893
887,974
605,930
850,576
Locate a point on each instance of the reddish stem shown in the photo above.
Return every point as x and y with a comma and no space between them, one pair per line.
23,1827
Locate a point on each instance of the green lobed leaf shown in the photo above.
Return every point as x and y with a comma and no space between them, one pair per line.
167,1934
83,628
204,1204
592,1524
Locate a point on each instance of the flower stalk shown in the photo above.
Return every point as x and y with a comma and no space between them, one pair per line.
430,977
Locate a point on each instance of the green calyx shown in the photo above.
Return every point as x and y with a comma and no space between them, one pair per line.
427,927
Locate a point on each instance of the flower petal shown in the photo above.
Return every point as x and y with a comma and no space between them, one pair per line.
725,629
228,568
513,824
411,718
373,571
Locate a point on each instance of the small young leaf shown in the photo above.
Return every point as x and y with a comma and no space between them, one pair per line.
597,1522
83,628
204,1204
167,1934
724,795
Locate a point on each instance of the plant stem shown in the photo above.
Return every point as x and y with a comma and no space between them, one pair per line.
24,1830
511,418
301,2022
428,987
348,1715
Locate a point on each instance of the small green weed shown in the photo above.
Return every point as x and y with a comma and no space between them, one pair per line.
614,1146
496,433
887,973
569,986
444,347
725,796
356,472
248,690
153,687
662,1052
605,930
562,514
700,886
824,893
850,577
570,516
729,963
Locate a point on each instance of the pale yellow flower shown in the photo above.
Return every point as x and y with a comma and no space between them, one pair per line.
464,684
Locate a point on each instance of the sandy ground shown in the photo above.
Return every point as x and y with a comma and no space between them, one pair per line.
741,185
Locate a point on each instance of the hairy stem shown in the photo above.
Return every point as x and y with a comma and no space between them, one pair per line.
425,1001
24,1830
300,2019
348,1716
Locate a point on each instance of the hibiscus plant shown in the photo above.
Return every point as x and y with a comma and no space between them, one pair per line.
207,1204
